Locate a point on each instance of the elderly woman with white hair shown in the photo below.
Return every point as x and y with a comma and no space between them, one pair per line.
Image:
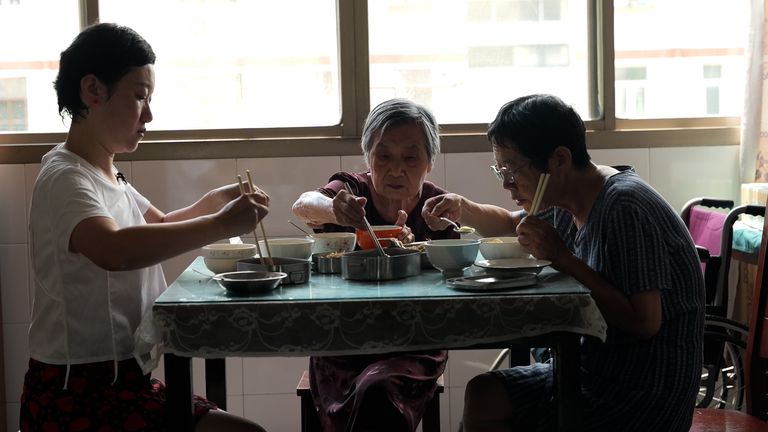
387,392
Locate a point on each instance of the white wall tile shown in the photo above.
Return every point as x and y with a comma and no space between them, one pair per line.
171,185
469,175
234,376
14,284
271,375
638,158
16,351
284,179
277,412
456,401
235,405
681,173
13,212
12,415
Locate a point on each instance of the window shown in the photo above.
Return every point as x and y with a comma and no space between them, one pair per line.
630,91
13,104
480,54
513,10
33,34
674,48
238,64
292,70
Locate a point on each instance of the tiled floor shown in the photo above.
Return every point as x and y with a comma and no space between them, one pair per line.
264,389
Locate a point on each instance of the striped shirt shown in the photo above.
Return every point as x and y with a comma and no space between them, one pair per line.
637,242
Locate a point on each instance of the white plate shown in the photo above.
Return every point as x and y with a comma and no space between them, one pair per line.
514,264
485,283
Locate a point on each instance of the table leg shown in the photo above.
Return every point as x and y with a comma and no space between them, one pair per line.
215,382
178,378
566,368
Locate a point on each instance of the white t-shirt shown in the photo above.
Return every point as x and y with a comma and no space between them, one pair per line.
82,313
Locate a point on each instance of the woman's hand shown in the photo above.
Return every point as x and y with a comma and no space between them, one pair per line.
221,196
406,235
542,240
242,214
447,206
349,209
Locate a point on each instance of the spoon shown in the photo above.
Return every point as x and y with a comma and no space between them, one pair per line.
300,228
458,229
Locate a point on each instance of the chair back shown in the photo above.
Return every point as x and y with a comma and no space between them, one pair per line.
706,226
756,363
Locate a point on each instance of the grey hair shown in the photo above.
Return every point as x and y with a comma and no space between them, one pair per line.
395,112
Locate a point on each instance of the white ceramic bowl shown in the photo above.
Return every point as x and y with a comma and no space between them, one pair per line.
300,248
452,256
333,242
494,248
223,257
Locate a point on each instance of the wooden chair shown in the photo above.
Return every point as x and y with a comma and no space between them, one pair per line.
756,366
310,422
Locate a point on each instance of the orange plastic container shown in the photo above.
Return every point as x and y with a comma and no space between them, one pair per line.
381,231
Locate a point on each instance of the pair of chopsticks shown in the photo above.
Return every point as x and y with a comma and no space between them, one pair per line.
540,189
252,189
368,227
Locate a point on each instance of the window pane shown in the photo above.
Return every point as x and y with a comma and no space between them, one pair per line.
33,34
673,41
477,54
238,64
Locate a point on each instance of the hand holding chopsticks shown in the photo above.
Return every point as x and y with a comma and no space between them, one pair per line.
251,189
540,189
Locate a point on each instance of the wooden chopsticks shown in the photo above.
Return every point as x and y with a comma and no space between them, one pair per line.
540,189
251,188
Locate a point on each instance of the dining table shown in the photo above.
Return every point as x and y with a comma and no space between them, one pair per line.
329,315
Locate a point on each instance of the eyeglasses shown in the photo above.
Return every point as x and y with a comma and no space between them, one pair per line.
504,173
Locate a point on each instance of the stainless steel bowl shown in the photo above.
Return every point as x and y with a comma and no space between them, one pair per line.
297,269
369,265
326,262
249,282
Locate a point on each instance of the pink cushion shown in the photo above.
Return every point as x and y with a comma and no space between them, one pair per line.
706,228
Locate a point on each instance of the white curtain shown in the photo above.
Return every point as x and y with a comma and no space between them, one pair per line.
754,131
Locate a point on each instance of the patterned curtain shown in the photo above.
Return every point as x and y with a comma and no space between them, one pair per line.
754,135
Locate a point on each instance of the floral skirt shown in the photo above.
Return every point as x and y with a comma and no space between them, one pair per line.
91,402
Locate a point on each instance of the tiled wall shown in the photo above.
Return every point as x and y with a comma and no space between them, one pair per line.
263,388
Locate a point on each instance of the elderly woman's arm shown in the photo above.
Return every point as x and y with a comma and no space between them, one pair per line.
314,209
486,219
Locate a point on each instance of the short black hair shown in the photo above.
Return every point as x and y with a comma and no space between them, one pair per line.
536,125
106,50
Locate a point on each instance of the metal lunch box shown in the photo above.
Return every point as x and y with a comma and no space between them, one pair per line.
326,262
296,269
369,265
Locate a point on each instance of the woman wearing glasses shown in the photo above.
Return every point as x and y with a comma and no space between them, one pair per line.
612,232
387,392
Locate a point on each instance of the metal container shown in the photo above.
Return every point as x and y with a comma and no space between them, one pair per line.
296,269
369,265
326,262
249,282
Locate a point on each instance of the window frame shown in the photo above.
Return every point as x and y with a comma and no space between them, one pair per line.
604,132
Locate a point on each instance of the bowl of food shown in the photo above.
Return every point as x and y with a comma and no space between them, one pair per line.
494,248
333,242
299,248
452,256
381,231
223,257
